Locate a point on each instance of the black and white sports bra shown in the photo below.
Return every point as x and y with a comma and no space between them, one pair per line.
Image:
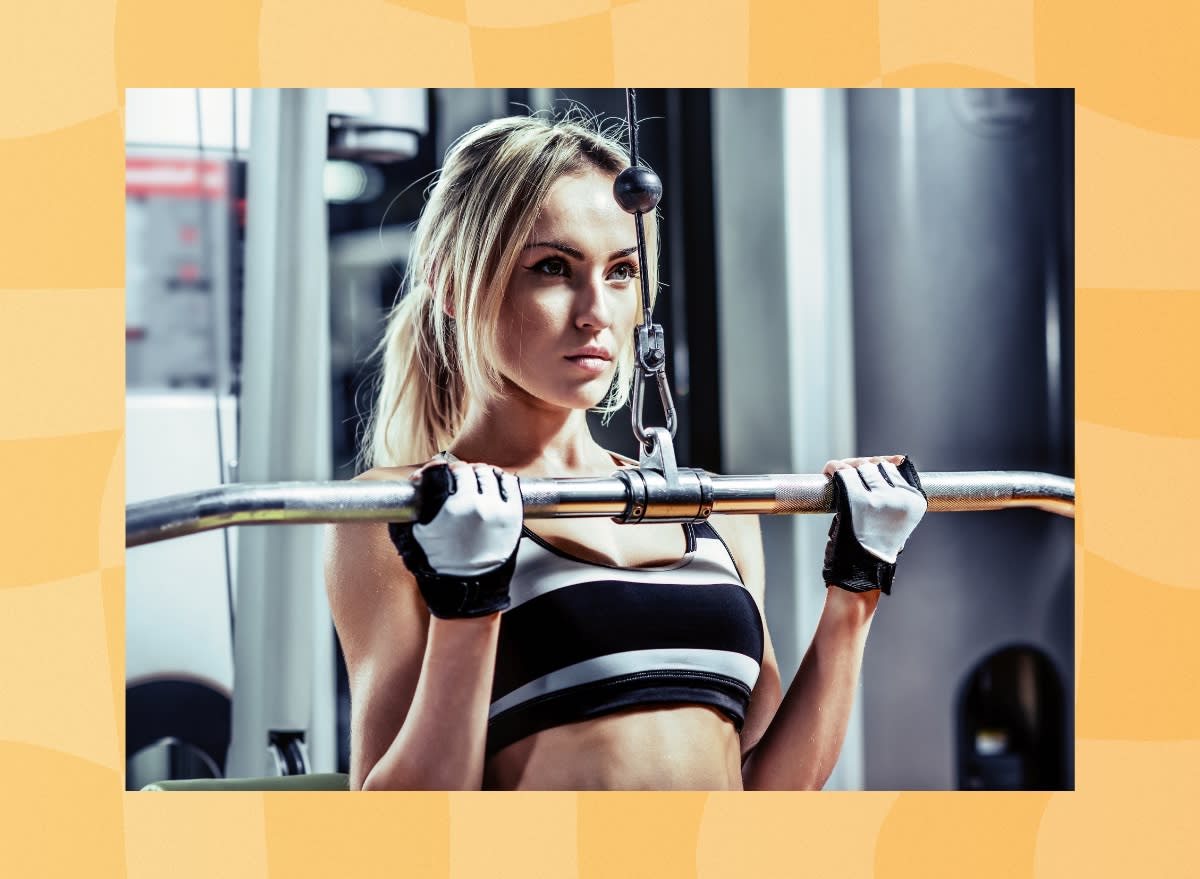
583,639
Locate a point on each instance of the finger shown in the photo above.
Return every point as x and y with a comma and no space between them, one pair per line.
463,474
428,467
872,476
894,476
485,482
436,486
514,503
840,463
510,488
909,471
463,488
852,484
859,461
836,464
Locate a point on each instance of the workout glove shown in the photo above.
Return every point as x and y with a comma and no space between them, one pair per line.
463,547
877,506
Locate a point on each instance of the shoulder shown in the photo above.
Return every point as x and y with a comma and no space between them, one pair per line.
388,474
365,578
354,550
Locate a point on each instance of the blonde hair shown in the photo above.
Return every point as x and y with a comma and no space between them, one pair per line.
480,212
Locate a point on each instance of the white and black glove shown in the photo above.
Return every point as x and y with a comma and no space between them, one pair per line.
877,506
463,547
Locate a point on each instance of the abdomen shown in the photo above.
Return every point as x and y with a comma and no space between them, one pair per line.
687,747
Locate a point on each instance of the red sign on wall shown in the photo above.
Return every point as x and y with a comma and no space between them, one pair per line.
178,178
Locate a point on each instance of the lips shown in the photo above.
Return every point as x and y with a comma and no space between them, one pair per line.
596,351
592,359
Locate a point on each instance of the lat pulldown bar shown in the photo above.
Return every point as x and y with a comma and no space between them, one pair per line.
687,499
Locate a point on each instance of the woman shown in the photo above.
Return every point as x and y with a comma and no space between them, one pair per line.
567,654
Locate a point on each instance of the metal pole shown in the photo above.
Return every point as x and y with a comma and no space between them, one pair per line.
778,494
284,663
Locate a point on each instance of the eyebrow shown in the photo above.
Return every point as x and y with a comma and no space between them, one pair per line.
574,252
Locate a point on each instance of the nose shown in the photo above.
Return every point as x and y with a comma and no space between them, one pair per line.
593,311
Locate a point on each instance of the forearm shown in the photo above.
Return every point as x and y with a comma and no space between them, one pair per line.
802,743
441,744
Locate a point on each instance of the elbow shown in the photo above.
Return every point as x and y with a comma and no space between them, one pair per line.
389,775
373,781
378,779
428,776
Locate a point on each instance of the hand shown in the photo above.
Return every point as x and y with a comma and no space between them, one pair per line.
877,506
463,548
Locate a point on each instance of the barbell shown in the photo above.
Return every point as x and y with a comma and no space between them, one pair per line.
648,498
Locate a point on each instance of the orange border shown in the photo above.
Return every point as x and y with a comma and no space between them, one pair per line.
61,443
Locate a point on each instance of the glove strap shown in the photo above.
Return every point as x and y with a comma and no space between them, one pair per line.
451,596
856,570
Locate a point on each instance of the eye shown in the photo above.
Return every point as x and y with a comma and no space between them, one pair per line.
553,266
625,271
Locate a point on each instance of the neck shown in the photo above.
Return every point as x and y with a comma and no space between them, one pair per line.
530,438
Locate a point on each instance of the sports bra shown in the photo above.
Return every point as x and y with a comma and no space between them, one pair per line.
583,639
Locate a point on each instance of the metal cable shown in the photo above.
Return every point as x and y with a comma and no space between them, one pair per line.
638,223
209,270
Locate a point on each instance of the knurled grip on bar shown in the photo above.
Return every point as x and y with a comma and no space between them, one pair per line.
780,494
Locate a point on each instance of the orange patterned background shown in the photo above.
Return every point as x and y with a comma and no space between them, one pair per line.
63,810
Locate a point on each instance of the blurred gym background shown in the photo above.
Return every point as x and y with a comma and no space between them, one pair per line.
844,272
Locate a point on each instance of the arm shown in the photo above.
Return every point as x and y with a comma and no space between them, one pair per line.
420,685
399,660
800,747
802,743
793,742
440,743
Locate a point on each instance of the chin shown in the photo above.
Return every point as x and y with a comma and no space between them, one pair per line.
589,402
586,398
568,395
599,395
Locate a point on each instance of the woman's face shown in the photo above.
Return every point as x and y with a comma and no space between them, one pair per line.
574,297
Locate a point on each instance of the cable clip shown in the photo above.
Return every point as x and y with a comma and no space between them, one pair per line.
649,345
